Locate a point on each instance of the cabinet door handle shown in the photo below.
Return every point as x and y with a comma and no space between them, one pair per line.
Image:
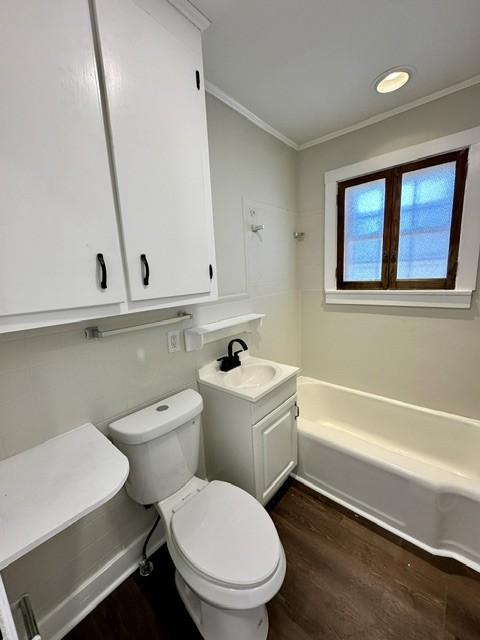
146,267
103,267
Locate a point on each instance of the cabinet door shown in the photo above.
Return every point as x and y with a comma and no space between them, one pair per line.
57,210
275,449
159,138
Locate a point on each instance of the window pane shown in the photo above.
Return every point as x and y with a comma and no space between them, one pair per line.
425,219
364,215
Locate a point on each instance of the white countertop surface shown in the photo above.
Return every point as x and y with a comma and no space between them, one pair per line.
45,489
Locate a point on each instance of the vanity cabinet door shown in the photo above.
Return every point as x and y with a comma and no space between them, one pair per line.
275,448
57,209
156,102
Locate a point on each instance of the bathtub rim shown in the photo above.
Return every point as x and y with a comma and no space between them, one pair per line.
303,380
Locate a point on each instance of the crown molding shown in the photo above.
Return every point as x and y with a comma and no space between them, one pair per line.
231,102
393,112
236,106
194,15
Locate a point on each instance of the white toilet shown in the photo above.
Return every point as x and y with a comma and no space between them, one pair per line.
228,557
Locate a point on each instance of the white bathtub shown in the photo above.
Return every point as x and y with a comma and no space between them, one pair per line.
412,470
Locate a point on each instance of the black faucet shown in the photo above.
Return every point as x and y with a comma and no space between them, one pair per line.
232,360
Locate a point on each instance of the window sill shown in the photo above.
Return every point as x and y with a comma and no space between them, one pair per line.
446,299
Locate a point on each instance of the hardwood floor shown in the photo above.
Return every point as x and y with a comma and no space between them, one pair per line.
346,579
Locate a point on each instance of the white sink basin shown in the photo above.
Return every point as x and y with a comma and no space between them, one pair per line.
252,380
250,376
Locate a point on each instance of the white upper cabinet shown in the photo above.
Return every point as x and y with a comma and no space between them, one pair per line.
56,208
156,103
104,169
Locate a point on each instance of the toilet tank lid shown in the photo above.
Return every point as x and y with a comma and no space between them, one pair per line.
157,419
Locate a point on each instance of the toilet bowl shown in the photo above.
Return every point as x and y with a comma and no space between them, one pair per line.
228,557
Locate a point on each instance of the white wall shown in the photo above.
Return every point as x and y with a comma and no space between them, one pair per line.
253,170
428,357
52,380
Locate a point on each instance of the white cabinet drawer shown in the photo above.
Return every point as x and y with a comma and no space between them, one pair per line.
274,399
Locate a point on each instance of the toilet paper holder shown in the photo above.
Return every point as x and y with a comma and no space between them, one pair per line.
23,614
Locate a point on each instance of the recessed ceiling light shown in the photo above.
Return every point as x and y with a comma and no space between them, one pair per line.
392,79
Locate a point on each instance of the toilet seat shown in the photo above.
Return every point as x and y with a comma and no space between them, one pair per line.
219,594
225,536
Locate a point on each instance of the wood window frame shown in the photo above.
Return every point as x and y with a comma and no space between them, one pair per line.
391,226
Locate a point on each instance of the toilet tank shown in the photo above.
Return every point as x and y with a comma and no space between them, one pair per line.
162,444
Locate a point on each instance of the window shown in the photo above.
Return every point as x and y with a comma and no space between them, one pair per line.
400,228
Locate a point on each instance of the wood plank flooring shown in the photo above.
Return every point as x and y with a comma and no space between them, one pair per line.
346,580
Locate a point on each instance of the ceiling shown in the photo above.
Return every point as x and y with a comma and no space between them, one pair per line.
306,67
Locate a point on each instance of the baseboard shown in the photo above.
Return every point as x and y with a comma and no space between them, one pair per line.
58,622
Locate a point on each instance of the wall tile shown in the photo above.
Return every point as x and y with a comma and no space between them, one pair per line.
271,253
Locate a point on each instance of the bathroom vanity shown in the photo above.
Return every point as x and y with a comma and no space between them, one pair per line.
250,424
